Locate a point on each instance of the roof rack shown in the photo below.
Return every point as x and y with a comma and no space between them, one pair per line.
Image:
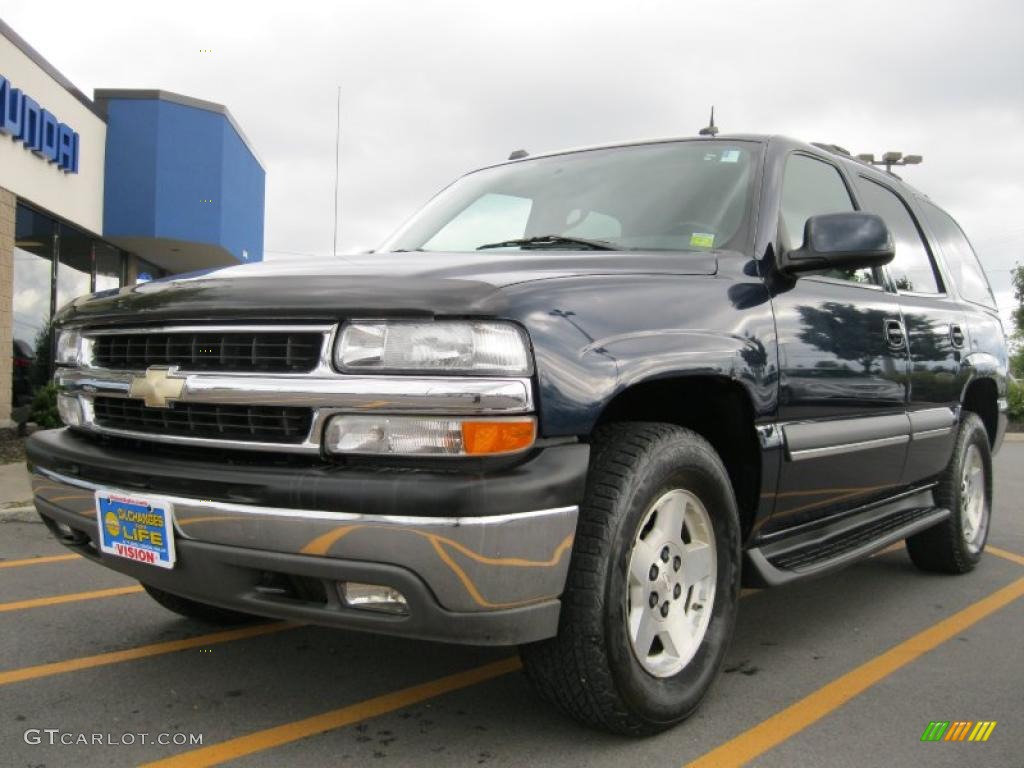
835,149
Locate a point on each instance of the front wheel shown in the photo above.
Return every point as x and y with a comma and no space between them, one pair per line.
653,584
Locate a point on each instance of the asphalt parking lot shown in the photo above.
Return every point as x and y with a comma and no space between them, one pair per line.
844,671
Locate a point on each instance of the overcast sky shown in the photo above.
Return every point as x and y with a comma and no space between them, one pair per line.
432,89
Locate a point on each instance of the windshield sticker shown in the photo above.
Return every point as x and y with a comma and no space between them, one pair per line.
702,240
730,156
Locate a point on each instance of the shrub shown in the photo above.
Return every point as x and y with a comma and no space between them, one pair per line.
44,407
1017,363
1015,399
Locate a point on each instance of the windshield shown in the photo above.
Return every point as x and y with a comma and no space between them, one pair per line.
684,195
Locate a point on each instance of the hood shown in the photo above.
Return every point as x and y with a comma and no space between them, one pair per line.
369,284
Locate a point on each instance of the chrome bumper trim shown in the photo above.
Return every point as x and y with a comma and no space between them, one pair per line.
448,395
324,390
470,563
207,328
327,396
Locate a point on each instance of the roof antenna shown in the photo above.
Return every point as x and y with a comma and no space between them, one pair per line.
712,129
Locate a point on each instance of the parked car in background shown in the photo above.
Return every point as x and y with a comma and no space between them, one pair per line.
23,360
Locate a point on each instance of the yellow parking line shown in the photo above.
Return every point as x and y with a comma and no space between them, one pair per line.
781,726
38,560
269,738
1013,557
139,652
232,749
74,597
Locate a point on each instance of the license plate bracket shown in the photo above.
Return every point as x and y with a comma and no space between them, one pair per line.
135,527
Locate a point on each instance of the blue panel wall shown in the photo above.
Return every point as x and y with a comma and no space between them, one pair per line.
241,217
189,181
182,173
129,184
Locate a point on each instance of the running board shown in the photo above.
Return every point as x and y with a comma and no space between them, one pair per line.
830,547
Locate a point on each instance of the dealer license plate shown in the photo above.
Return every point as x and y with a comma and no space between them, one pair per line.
136,528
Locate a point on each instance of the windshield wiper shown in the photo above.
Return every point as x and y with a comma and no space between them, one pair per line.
546,240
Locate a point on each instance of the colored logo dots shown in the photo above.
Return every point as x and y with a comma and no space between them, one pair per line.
959,730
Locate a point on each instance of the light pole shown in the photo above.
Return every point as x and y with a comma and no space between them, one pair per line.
337,161
889,159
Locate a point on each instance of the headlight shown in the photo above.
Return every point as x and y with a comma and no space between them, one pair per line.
445,346
428,436
70,409
69,348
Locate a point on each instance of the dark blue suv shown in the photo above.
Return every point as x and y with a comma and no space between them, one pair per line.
571,405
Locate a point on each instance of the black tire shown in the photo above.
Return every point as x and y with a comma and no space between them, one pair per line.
210,614
944,547
589,670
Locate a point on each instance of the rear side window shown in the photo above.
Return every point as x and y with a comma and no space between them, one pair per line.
912,268
811,188
961,260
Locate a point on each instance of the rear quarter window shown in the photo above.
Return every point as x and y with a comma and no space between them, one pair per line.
961,260
912,268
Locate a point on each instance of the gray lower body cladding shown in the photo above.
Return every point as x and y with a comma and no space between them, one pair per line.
480,579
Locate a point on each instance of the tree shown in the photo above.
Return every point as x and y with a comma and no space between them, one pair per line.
1017,276
844,331
1017,358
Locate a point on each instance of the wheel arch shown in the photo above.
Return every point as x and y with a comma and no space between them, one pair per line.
981,396
717,408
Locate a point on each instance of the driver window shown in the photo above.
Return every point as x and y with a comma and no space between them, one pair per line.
811,188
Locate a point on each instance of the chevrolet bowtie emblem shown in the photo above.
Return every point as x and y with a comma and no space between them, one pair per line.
157,387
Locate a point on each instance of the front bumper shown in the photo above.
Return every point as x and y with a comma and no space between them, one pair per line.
493,577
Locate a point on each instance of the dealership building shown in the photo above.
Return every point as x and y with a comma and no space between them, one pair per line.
95,194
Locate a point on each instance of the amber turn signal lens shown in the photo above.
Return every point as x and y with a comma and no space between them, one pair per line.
487,437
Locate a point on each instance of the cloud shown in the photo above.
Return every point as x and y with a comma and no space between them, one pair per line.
430,90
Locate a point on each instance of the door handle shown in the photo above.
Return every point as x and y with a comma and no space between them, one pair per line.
956,335
895,336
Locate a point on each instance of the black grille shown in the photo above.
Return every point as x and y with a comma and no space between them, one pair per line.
264,423
264,351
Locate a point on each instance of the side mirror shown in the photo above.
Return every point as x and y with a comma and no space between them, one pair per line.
853,240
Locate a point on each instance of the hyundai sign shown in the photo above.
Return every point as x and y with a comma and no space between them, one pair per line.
24,120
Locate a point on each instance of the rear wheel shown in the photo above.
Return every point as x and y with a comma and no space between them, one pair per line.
193,609
965,489
653,584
